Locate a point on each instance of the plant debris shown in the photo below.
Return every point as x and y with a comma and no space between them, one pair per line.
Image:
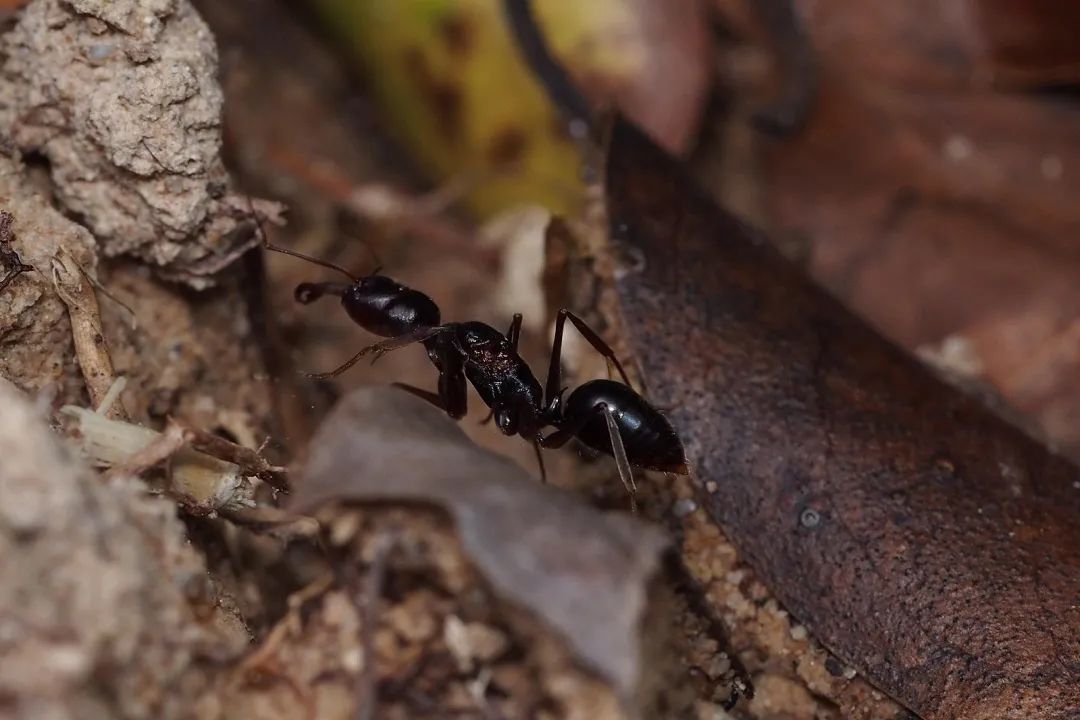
201,482
74,288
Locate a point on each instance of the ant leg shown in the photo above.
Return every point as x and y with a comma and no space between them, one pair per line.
596,341
433,398
561,436
619,451
454,392
380,349
444,399
540,460
554,368
555,363
514,333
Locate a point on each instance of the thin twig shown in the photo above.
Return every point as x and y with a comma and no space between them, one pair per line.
556,82
90,347
250,461
112,395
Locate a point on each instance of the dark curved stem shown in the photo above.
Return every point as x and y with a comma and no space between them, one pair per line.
556,82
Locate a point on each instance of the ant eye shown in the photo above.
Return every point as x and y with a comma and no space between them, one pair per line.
473,338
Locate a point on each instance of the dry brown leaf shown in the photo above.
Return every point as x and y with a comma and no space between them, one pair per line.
1031,43
937,206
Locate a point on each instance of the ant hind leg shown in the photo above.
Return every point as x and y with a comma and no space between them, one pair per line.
433,398
619,452
540,460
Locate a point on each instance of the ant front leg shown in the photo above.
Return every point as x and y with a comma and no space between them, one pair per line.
554,368
575,425
514,333
381,348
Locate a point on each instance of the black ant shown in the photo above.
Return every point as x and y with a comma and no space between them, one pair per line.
607,416
8,257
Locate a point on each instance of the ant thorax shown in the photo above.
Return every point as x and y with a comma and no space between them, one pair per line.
486,347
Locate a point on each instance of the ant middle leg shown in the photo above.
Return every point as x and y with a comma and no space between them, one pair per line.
554,368
514,333
540,460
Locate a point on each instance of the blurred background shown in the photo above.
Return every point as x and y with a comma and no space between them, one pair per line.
918,158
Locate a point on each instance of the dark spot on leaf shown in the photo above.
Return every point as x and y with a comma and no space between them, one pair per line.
457,33
507,147
442,97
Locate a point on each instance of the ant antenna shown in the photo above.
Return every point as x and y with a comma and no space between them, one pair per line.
286,251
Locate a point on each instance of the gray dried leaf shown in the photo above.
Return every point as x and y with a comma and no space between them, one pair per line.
583,572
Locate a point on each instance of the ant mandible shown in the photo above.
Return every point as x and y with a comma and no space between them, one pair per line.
607,416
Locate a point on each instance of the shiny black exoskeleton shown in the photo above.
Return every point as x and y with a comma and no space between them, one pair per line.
385,307
608,416
648,438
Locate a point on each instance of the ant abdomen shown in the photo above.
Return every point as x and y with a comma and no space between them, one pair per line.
648,437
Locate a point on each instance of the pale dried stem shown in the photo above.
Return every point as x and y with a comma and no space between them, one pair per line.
160,449
92,352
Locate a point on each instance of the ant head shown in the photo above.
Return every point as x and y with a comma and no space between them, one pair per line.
361,290
376,283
